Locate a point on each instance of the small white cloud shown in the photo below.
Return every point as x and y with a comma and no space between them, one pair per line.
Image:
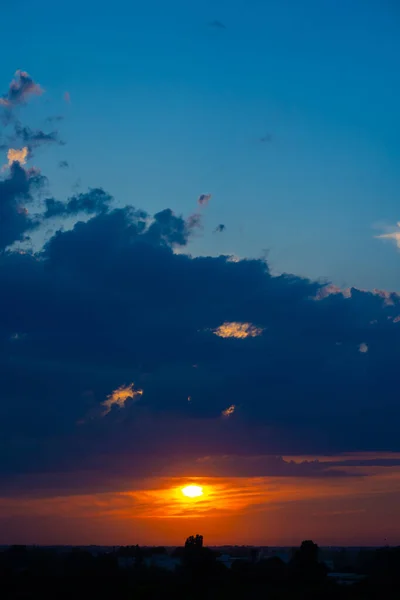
363,348
393,235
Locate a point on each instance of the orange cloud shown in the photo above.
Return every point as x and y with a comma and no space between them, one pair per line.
237,330
19,156
119,397
229,411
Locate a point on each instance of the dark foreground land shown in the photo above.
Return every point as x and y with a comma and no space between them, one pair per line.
196,572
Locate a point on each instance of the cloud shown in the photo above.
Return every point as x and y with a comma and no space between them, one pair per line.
119,397
36,137
63,164
395,236
18,156
170,229
329,289
389,298
363,348
194,221
94,201
220,228
237,330
391,235
21,88
17,190
67,97
227,412
204,199
109,300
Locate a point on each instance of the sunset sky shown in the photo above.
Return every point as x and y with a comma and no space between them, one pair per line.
200,272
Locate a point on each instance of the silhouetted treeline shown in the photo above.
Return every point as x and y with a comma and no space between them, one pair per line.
195,572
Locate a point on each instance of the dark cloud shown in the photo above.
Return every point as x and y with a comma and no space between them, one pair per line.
94,201
37,137
168,229
16,191
63,164
20,89
220,228
114,302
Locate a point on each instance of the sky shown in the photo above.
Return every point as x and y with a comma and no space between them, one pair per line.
199,272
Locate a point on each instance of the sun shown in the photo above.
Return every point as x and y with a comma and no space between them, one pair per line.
192,491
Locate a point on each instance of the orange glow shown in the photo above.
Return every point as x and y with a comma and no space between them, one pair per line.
237,330
19,156
229,411
120,396
192,491
360,507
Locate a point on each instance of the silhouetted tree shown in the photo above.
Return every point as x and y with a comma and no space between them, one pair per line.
194,541
305,566
308,552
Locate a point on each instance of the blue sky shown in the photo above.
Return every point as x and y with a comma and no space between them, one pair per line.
165,107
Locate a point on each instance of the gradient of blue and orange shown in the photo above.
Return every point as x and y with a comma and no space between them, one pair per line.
144,352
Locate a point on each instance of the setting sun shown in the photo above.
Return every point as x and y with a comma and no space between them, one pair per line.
192,491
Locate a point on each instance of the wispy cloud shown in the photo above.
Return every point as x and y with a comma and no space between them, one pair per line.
92,202
393,235
20,89
36,137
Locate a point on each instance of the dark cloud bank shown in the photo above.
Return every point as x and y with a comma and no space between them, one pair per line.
110,303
